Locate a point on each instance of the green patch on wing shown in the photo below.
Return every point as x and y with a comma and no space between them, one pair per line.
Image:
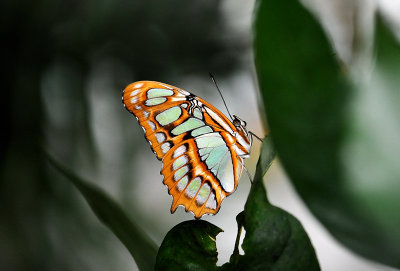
168,116
194,185
197,113
209,141
155,101
201,131
182,183
180,161
212,156
187,125
159,92
180,172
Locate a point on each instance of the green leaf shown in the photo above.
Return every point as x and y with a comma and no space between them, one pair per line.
189,245
336,141
267,156
275,240
141,247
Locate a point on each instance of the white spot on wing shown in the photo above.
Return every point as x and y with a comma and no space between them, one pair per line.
160,137
135,92
165,86
181,172
182,183
211,202
179,151
151,124
146,114
137,107
134,100
193,187
184,92
138,85
165,147
180,162
203,194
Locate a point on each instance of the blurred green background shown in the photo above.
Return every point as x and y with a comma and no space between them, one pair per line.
66,64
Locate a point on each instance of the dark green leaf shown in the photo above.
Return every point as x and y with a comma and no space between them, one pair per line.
189,245
337,142
110,213
267,156
274,240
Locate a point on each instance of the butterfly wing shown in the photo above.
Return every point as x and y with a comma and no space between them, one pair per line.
193,139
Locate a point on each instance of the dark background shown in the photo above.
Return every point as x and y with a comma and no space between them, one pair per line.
65,65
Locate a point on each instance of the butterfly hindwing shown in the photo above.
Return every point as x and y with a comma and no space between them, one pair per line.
200,176
189,182
194,141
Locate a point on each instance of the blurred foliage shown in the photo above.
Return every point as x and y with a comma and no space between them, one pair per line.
141,247
336,134
50,50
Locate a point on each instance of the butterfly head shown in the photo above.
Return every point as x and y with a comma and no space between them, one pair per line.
239,124
242,136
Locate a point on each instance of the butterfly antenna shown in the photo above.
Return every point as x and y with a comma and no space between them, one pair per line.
215,83
253,134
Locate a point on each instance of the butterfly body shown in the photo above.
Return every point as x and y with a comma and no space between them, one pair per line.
201,149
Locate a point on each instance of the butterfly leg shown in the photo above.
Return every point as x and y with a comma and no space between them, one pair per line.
248,174
253,134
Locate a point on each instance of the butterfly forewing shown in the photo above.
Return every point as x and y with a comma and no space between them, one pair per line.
156,106
195,141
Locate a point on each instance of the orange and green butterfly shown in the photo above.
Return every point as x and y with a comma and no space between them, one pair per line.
201,149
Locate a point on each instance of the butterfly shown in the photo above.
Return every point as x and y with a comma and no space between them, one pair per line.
201,149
